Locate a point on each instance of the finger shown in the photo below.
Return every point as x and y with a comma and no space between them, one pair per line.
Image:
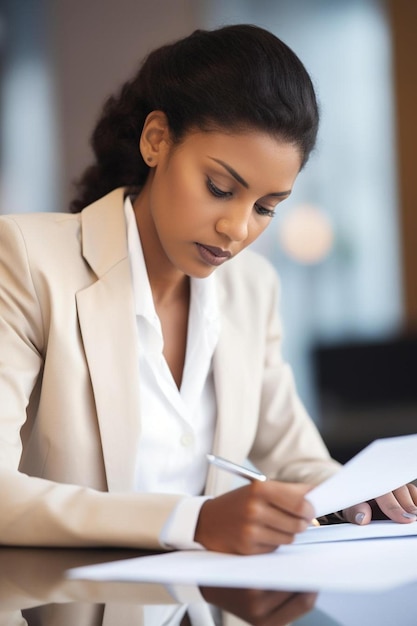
393,509
257,539
288,498
276,519
358,514
407,498
267,507
268,531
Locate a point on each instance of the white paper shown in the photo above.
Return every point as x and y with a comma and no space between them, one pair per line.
381,467
353,532
361,566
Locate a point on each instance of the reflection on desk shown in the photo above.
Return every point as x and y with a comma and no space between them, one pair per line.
35,591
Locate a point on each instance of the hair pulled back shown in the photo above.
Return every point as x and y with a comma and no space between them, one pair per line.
238,77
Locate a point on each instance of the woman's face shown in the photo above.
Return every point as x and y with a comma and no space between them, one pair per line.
211,196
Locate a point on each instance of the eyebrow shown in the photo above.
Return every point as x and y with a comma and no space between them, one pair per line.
242,181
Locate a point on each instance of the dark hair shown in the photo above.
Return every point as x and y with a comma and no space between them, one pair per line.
237,77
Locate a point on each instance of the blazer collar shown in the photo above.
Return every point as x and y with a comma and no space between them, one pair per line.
103,227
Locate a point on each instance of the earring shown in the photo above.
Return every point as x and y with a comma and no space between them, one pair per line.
149,159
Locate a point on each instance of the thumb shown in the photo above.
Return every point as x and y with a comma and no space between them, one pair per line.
358,514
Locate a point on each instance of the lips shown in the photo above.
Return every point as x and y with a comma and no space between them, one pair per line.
212,254
217,251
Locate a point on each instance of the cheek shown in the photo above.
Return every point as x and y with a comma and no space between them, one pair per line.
258,226
189,201
167,199
180,190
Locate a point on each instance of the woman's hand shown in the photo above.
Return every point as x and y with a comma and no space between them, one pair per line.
254,519
399,505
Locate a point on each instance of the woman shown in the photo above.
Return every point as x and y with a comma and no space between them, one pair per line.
135,336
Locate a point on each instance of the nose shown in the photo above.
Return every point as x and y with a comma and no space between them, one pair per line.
234,223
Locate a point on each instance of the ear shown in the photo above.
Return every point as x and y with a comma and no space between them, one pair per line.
155,137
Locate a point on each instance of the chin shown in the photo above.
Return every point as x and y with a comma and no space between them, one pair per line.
203,272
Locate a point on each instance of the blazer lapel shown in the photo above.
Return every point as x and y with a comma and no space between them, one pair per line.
235,402
108,329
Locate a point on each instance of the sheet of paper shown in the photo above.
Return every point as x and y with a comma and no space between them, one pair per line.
353,532
381,467
361,566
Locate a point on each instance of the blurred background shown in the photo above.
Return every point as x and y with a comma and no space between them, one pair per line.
345,245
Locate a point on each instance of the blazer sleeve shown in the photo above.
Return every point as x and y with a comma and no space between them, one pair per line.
36,511
288,445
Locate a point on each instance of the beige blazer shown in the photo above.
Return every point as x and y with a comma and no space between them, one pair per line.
69,393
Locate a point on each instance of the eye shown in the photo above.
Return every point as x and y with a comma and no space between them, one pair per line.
261,210
215,191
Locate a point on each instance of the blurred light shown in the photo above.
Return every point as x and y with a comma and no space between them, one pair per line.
306,234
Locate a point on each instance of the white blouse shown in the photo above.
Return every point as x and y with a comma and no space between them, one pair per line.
177,425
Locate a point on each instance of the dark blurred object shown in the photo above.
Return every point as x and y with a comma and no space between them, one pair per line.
366,390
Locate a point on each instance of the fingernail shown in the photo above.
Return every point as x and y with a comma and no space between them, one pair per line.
410,516
359,517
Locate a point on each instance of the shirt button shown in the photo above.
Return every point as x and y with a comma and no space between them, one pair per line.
187,439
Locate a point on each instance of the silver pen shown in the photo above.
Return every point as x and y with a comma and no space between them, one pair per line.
234,468
243,472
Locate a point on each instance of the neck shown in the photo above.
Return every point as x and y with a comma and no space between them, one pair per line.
166,291
168,284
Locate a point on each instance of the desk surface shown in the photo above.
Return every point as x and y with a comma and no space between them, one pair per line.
34,590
